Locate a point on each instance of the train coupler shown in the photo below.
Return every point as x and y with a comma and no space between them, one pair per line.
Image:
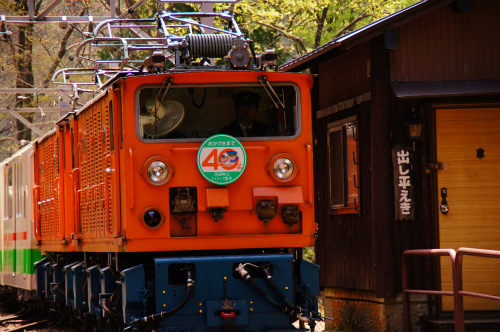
232,312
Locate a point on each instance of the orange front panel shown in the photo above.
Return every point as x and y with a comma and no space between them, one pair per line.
217,197
239,226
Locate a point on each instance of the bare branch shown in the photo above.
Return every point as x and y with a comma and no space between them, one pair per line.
8,138
62,51
293,18
298,40
42,43
105,4
350,25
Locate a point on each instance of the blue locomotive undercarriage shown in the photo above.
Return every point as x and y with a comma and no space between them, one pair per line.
265,292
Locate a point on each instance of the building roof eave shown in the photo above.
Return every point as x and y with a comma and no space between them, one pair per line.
407,90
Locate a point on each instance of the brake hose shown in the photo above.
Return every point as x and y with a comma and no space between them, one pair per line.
247,277
270,279
57,286
104,305
164,314
296,309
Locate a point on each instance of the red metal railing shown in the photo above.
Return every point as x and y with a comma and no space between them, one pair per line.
458,293
406,291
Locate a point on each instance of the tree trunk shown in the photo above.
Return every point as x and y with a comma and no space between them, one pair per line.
321,24
24,65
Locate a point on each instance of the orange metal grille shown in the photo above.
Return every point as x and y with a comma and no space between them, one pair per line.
48,204
107,165
95,184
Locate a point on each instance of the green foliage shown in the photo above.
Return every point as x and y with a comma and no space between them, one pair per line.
291,28
148,9
309,254
296,27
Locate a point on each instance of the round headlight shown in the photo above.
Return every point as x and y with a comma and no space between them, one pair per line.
158,171
283,167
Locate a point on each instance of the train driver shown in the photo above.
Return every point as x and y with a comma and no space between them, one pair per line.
246,106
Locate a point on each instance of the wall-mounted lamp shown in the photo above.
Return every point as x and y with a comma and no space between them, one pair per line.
415,124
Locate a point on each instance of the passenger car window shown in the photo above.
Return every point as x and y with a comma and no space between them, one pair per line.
9,192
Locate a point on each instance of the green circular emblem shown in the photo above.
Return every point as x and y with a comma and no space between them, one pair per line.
221,159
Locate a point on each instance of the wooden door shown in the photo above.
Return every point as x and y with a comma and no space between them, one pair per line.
468,144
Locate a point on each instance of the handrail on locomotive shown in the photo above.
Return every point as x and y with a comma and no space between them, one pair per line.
181,50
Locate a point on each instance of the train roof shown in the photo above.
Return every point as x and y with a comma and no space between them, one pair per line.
20,152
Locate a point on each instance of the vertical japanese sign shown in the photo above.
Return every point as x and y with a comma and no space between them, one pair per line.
221,159
403,186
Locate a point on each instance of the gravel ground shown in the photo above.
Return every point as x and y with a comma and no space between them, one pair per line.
9,309
320,326
20,317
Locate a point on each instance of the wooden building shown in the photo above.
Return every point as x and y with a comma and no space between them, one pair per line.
378,190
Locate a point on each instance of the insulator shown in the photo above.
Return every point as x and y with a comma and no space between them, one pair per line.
209,45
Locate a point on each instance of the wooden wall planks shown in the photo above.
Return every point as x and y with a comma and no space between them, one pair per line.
446,46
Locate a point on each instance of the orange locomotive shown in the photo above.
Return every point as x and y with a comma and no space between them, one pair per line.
95,168
155,185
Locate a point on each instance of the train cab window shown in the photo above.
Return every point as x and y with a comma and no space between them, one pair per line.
189,112
343,166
